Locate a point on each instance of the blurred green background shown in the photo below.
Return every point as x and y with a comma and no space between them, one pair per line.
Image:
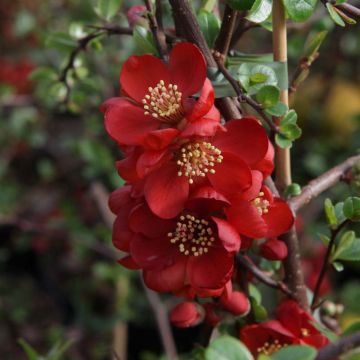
59,279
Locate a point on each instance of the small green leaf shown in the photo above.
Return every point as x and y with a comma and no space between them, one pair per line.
338,266
107,9
240,4
290,131
351,208
208,5
279,109
258,78
293,189
324,239
283,141
334,15
29,350
330,213
144,41
259,311
289,118
313,43
209,25
260,11
255,293
339,212
352,328
296,352
348,248
268,96
227,348
300,10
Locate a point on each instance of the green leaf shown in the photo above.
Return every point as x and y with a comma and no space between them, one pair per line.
260,11
338,266
348,248
209,25
259,311
227,348
43,73
289,118
351,208
290,131
314,42
279,109
352,328
293,189
268,96
339,212
334,15
61,41
107,9
283,141
324,239
254,292
330,213
144,41
300,10
258,78
208,5
297,352
240,4
29,350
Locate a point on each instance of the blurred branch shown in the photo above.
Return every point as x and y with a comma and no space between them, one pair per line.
326,263
244,261
158,33
162,322
323,182
242,96
347,8
340,347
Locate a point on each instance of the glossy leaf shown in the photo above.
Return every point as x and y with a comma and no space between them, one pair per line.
209,25
351,208
227,348
330,213
296,352
144,41
334,15
260,11
268,96
300,10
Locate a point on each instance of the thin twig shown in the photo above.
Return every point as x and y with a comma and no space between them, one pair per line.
340,347
242,96
326,263
222,42
162,320
323,182
261,276
350,9
158,33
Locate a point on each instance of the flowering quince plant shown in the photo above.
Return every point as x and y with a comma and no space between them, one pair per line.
199,214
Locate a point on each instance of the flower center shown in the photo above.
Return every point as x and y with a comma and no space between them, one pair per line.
305,332
270,348
261,204
198,159
193,236
164,102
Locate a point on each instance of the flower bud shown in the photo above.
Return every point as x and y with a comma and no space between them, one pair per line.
274,249
135,15
185,314
236,303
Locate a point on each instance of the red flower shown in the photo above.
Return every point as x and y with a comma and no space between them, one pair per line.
274,249
293,326
191,254
228,162
185,314
260,216
158,103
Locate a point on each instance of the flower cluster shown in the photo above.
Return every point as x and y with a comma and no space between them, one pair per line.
194,186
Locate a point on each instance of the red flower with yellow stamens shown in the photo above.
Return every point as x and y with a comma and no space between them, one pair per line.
190,254
262,216
228,162
157,102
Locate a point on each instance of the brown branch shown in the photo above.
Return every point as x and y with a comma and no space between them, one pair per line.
162,322
349,9
322,183
326,263
222,43
261,276
242,96
184,18
340,347
158,33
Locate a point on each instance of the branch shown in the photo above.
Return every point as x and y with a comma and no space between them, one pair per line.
350,9
326,262
158,33
261,276
322,183
242,96
342,346
162,322
184,18
222,43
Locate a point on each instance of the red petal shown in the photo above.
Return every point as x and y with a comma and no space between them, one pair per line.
151,160
141,72
187,68
279,219
127,167
246,219
232,175
159,139
202,127
129,263
245,138
121,235
166,192
143,221
211,270
120,198
266,165
170,279
229,237
127,123
253,191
